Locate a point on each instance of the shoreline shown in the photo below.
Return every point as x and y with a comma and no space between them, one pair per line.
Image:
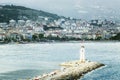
60,42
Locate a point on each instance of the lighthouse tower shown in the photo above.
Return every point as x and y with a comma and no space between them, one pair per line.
82,54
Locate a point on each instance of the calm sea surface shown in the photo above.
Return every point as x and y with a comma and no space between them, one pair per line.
21,61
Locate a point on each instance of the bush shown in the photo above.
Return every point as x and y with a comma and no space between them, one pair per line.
117,37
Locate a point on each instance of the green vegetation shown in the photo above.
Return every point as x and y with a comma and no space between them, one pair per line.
9,12
41,38
117,37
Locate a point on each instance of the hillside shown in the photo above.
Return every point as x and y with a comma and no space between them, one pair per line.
9,12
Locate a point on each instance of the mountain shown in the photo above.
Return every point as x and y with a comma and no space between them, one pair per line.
8,12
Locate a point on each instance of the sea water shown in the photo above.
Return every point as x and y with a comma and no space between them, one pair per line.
23,61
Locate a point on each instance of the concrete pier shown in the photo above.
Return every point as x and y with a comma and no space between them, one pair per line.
70,71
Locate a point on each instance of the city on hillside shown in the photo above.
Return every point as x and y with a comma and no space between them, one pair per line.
61,29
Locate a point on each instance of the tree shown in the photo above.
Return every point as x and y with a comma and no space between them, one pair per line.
117,37
41,36
34,37
99,38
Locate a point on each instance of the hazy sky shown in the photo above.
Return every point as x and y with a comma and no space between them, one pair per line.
74,8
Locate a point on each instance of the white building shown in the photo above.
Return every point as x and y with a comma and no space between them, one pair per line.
21,22
3,25
12,23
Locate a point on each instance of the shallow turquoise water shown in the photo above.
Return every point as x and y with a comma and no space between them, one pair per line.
21,61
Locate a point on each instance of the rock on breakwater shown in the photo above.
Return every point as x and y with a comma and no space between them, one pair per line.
70,71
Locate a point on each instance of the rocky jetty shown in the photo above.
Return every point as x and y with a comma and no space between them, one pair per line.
70,71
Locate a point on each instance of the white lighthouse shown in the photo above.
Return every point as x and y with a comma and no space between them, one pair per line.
82,54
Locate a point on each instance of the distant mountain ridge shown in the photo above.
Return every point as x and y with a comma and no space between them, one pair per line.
8,12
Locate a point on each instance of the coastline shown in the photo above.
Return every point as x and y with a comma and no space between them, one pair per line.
53,41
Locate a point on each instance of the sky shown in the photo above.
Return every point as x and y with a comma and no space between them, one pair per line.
73,8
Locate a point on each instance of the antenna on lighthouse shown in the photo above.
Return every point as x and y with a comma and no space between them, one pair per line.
82,53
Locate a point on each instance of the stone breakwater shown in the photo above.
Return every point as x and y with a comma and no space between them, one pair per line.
70,71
